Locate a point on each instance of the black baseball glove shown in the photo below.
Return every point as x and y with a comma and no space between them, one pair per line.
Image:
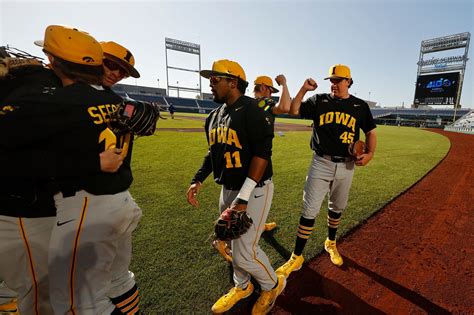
231,224
136,117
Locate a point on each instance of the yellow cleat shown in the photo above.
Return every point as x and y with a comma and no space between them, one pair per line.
227,301
9,308
330,247
267,298
269,226
293,264
223,249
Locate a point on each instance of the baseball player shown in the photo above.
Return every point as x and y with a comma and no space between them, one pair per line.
95,213
76,55
337,118
239,136
263,91
119,64
171,110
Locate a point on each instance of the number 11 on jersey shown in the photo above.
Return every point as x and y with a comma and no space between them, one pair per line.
228,157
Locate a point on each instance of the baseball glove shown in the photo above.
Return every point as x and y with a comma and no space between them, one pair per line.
357,148
135,117
232,224
14,62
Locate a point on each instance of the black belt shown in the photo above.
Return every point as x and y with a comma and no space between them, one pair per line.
335,159
68,191
259,184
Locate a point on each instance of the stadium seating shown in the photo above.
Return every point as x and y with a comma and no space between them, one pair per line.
430,117
464,125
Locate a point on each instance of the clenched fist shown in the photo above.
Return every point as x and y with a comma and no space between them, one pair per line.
310,85
280,79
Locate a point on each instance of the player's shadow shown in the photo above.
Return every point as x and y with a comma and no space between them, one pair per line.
269,237
413,297
308,292
84,263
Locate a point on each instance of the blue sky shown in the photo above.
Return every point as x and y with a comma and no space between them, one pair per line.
379,40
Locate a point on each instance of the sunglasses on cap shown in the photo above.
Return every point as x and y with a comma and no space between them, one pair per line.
111,65
216,79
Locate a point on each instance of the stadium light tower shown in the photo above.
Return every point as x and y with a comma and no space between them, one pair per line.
188,48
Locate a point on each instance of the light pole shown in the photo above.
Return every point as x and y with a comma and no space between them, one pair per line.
177,85
158,80
369,96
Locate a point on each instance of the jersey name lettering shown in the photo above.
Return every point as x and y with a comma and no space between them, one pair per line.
224,135
338,118
101,113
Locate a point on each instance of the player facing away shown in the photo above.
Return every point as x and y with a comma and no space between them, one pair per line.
239,136
337,118
263,91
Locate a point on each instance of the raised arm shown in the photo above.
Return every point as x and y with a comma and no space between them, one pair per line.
283,107
308,85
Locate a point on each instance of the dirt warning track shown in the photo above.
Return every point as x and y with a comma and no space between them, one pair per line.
415,256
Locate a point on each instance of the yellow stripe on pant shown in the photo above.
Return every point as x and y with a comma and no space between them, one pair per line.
30,260
73,261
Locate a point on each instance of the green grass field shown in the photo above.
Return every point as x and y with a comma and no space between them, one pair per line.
177,270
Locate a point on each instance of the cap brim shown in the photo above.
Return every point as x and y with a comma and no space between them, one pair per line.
130,69
206,73
273,89
335,77
39,43
209,73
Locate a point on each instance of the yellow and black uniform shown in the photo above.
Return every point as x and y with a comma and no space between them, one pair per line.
95,212
336,122
89,110
91,207
50,132
235,134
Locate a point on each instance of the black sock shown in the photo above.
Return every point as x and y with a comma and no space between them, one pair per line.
304,231
334,218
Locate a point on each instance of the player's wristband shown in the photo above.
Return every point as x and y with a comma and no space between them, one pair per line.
247,188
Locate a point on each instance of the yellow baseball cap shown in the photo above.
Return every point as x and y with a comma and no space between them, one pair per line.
339,71
120,55
263,79
226,68
71,45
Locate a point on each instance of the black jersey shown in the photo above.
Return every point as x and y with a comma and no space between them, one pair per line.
88,111
336,122
22,193
63,122
235,135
